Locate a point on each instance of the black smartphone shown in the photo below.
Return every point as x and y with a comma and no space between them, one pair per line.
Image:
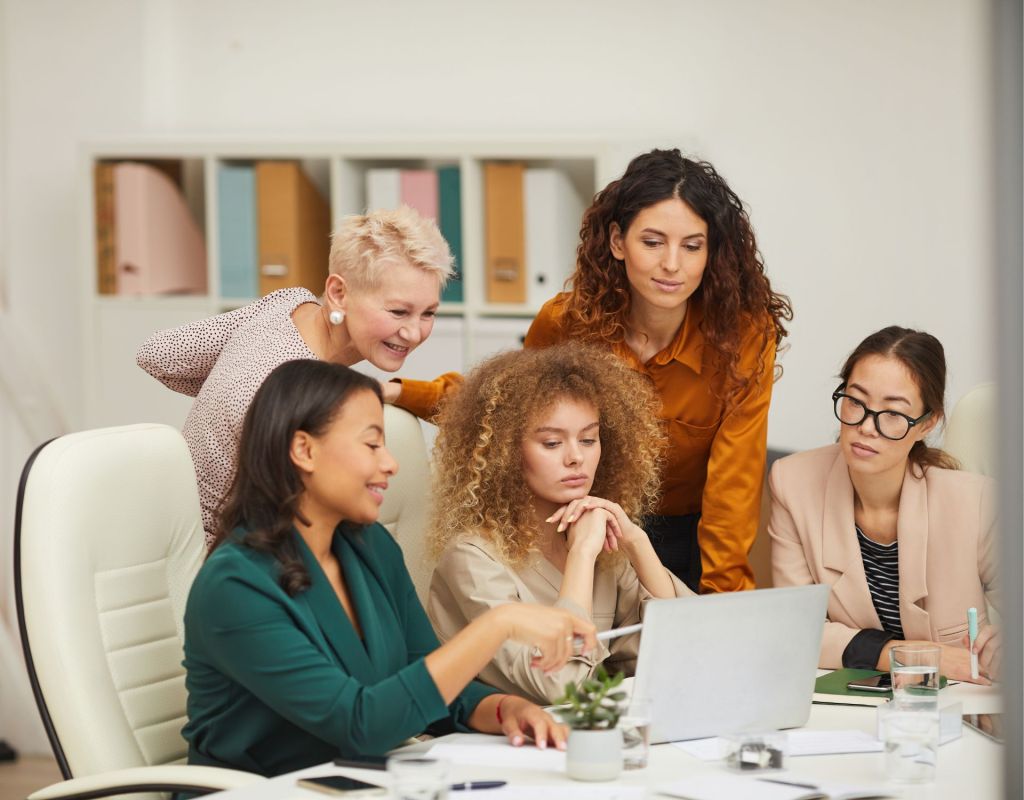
362,762
876,683
990,725
339,784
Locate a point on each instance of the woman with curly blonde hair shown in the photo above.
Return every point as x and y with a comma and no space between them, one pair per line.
545,461
669,278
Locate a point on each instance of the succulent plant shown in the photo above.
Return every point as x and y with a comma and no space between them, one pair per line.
595,704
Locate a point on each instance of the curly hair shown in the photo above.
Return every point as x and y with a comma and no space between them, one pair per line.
478,469
735,291
264,496
923,356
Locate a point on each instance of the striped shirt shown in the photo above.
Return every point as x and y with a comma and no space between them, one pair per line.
882,569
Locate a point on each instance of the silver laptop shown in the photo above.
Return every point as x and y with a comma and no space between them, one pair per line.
725,663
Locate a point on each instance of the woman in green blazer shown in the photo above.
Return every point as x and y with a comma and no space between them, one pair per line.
304,637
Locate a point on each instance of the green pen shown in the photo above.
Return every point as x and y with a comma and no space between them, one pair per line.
972,634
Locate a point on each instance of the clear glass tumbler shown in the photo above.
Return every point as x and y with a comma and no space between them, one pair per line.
415,776
911,739
915,676
635,725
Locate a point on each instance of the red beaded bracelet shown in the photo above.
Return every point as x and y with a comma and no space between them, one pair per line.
497,710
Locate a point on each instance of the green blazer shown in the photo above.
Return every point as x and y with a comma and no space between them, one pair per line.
278,683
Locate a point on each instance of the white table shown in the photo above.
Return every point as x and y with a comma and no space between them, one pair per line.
970,767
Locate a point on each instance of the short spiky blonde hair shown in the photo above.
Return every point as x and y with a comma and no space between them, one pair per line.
478,476
364,244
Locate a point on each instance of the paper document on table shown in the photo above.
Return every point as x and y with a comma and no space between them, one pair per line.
798,743
726,786
496,751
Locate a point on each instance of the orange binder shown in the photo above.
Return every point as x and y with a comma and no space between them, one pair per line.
106,252
503,226
294,228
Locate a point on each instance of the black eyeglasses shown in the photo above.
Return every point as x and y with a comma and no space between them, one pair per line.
890,424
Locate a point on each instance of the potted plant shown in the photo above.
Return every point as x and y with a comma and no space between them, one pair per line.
592,711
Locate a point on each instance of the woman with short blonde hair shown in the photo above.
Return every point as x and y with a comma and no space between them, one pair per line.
387,270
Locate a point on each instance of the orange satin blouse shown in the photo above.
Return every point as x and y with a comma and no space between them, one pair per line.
715,459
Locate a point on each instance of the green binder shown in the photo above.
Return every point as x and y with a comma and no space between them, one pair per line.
450,211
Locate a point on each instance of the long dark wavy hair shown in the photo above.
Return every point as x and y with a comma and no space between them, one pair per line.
301,395
735,291
924,357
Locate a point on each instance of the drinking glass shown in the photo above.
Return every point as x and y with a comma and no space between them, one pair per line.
915,676
911,739
415,776
635,725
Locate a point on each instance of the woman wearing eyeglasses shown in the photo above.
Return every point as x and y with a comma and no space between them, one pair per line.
905,539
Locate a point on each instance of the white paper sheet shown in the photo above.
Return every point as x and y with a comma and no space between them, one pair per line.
798,743
474,749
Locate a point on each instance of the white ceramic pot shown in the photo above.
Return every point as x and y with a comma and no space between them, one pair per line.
594,755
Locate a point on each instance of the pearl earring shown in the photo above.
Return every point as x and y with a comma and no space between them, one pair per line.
336,317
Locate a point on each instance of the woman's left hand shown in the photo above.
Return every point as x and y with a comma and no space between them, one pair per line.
621,529
521,718
989,647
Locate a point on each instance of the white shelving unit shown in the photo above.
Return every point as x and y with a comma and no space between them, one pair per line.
117,391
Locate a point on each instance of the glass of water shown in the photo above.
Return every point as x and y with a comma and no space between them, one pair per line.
911,739
635,725
415,776
915,676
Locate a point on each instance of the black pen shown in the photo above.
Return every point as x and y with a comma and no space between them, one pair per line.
467,786
789,783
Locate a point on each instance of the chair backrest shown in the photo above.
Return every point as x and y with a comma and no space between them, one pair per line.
970,431
406,509
108,539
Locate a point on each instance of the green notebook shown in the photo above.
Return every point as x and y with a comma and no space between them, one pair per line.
831,688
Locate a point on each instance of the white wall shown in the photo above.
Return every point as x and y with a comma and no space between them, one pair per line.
856,130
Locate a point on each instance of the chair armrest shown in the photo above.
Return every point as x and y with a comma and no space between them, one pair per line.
169,778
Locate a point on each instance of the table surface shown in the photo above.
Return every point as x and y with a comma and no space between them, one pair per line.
969,767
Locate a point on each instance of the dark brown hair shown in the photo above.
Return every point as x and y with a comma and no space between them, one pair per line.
923,356
263,501
735,292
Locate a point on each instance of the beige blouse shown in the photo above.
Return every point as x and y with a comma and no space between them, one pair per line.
470,578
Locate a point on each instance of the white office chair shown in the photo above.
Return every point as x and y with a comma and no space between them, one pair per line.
406,509
108,539
970,431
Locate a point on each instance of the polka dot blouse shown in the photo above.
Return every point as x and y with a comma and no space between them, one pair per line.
221,362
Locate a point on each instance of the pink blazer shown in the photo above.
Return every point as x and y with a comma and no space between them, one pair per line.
947,541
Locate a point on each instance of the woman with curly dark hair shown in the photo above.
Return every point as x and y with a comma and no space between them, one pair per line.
545,462
304,638
668,277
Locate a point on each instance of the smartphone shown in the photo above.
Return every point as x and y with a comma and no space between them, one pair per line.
876,683
339,784
990,725
362,762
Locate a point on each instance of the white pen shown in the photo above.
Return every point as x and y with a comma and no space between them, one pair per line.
615,633
603,636
972,634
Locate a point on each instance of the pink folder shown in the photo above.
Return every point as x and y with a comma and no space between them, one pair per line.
419,190
159,247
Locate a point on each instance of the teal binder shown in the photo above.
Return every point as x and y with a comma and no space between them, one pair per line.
238,245
450,211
